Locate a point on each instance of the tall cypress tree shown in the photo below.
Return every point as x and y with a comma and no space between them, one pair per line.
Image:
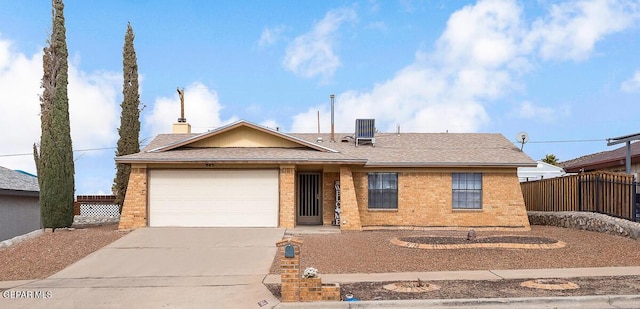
129,130
55,161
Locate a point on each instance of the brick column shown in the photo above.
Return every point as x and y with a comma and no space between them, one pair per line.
348,202
290,270
287,196
134,208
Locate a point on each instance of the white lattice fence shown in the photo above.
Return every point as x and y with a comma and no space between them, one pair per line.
99,210
96,206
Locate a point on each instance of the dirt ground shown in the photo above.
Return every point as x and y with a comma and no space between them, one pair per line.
456,289
46,254
373,252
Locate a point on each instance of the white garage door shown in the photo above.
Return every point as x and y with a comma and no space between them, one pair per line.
213,198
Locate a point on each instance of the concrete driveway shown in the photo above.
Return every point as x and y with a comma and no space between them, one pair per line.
164,268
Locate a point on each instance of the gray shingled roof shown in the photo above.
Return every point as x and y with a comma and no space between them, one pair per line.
393,150
16,181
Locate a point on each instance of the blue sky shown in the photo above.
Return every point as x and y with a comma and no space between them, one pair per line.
566,72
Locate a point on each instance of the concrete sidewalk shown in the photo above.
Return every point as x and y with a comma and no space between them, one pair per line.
474,275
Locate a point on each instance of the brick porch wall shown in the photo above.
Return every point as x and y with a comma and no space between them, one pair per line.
425,199
329,197
287,197
134,209
348,201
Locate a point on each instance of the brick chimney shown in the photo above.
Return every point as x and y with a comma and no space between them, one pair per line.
181,128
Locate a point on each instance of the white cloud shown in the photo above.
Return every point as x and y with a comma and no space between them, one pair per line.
445,90
270,36
93,107
528,110
312,54
632,84
478,59
270,123
572,28
201,108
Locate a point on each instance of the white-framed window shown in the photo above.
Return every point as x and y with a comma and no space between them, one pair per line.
383,190
467,190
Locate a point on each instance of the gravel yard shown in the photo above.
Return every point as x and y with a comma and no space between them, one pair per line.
372,252
48,253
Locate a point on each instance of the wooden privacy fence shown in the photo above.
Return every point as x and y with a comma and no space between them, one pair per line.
603,192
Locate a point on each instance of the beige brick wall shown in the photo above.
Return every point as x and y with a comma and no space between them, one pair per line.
425,199
287,197
134,209
349,202
329,197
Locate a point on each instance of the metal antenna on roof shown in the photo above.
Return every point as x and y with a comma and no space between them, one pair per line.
522,138
333,138
181,94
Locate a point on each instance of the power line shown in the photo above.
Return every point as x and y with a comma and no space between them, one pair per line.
76,150
568,141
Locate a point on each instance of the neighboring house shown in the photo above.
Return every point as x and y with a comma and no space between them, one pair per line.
247,175
542,171
611,161
19,203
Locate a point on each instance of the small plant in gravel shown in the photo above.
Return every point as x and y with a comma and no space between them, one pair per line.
310,272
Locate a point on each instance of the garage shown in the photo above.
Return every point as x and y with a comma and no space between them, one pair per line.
213,198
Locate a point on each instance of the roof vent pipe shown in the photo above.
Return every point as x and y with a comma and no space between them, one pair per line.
333,137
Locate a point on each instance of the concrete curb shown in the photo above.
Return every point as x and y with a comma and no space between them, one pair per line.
600,301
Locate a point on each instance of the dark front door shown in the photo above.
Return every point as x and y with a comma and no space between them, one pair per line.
309,201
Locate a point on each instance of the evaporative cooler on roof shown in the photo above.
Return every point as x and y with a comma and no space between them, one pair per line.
365,131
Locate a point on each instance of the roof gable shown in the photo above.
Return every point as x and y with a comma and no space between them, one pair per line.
242,134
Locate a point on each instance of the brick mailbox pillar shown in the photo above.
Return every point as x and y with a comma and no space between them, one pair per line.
289,251
293,287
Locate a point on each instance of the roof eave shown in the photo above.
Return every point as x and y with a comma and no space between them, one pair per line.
19,192
450,164
240,161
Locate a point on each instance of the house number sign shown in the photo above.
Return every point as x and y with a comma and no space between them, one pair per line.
336,215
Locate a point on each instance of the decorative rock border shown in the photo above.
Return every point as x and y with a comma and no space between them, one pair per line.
411,287
586,221
550,284
500,245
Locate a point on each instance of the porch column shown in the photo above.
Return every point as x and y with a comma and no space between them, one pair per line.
287,196
134,209
350,215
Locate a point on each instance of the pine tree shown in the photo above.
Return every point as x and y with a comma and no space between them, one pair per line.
129,130
54,163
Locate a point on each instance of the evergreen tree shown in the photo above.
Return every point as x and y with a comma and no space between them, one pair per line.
129,130
55,161
550,159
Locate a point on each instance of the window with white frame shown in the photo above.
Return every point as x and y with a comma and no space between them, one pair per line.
383,190
467,190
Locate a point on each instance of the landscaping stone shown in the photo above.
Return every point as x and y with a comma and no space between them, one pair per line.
586,221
